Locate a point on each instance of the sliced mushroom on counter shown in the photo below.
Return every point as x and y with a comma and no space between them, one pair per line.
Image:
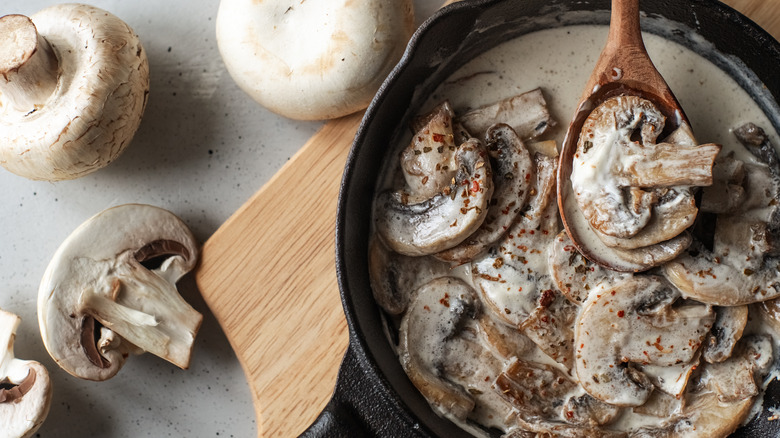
74,81
512,275
312,60
428,162
439,311
526,113
98,301
25,388
637,321
725,333
513,173
395,276
618,165
446,219
574,275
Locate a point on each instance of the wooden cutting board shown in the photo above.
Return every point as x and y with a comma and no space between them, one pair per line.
268,274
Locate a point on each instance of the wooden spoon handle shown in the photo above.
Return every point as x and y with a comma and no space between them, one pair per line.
624,29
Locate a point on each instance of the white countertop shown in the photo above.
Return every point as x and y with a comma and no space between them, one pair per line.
203,148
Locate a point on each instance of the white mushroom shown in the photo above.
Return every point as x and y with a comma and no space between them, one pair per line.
25,388
446,219
98,302
634,321
574,275
428,162
513,174
439,311
312,60
394,277
617,161
743,265
74,82
512,274
526,113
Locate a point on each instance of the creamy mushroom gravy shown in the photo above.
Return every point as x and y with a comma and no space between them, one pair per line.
559,61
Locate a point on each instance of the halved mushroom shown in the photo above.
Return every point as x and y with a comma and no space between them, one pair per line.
439,311
634,321
512,275
395,276
74,82
109,290
25,388
617,161
312,60
447,218
526,113
513,173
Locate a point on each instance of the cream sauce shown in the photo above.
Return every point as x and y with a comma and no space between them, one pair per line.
559,61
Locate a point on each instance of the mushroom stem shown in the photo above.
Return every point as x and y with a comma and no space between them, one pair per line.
145,309
28,65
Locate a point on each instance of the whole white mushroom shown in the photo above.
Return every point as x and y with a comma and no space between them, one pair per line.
74,81
312,60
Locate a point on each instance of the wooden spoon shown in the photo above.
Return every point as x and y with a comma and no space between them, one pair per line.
623,68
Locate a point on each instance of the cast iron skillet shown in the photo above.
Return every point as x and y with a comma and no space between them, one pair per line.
373,396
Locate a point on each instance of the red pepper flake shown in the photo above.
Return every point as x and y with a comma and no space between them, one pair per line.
446,300
547,298
613,292
474,186
621,313
545,232
569,414
427,308
545,318
439,138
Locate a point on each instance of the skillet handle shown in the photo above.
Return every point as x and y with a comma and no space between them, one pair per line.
360,407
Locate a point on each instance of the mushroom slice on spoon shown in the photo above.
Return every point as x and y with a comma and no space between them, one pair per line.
25,388
634,321
446,219
617,160
98,301
438,312
513,173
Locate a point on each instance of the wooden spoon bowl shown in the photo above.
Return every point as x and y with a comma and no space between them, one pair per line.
623,68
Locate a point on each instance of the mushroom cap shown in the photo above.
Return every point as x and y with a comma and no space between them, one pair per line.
312,60
25,402
96,287
96,107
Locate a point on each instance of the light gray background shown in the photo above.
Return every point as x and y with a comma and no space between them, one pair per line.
203,148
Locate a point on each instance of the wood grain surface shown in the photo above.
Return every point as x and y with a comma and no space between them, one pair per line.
268,274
